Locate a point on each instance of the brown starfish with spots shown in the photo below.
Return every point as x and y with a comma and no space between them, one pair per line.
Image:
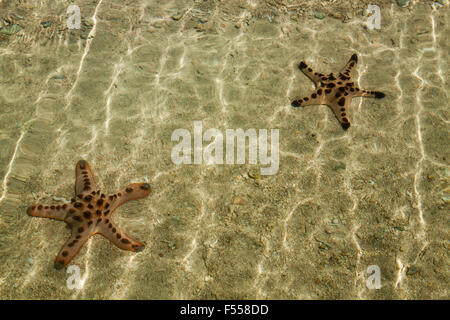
335,92
91,214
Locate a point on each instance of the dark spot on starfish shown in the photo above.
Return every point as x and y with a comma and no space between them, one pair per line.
379,95
102,196
107,205
89,223
302,65
80,229
106,212
345,125
126,241
58,207
52,207
70,244
88,198
72,210
342,109
39,207
327,91
99,202
314,96
354,57
322,84
309,69
87,214
113,230
319,92
338,94
98,212
110,225
77,218
64,206
324,79
339,82
118,236
99,220
90,206
129,190
111,197
341,89
345,119
78,236
86,188
341,102
306,98
64,253
343,114
351,89
119,194
46,207
107,221
78,205
331,85
345,93
352,64
357,89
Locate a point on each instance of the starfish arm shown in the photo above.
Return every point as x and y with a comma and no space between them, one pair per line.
58,212
73,245
350,65
110,231
314,76
369,94
131,192
340,109
84,179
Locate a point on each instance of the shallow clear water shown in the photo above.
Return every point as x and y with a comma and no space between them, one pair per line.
113,93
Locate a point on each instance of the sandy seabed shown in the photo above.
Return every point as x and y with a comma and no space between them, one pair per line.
114,91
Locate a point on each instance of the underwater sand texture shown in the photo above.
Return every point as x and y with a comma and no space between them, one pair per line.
114,91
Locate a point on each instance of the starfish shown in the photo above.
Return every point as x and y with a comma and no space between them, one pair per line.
90,214
337,93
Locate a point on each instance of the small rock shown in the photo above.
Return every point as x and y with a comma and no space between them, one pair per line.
403,3
319,15
46,24
177,16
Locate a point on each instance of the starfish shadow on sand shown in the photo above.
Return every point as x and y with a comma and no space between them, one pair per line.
91,214
335,92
